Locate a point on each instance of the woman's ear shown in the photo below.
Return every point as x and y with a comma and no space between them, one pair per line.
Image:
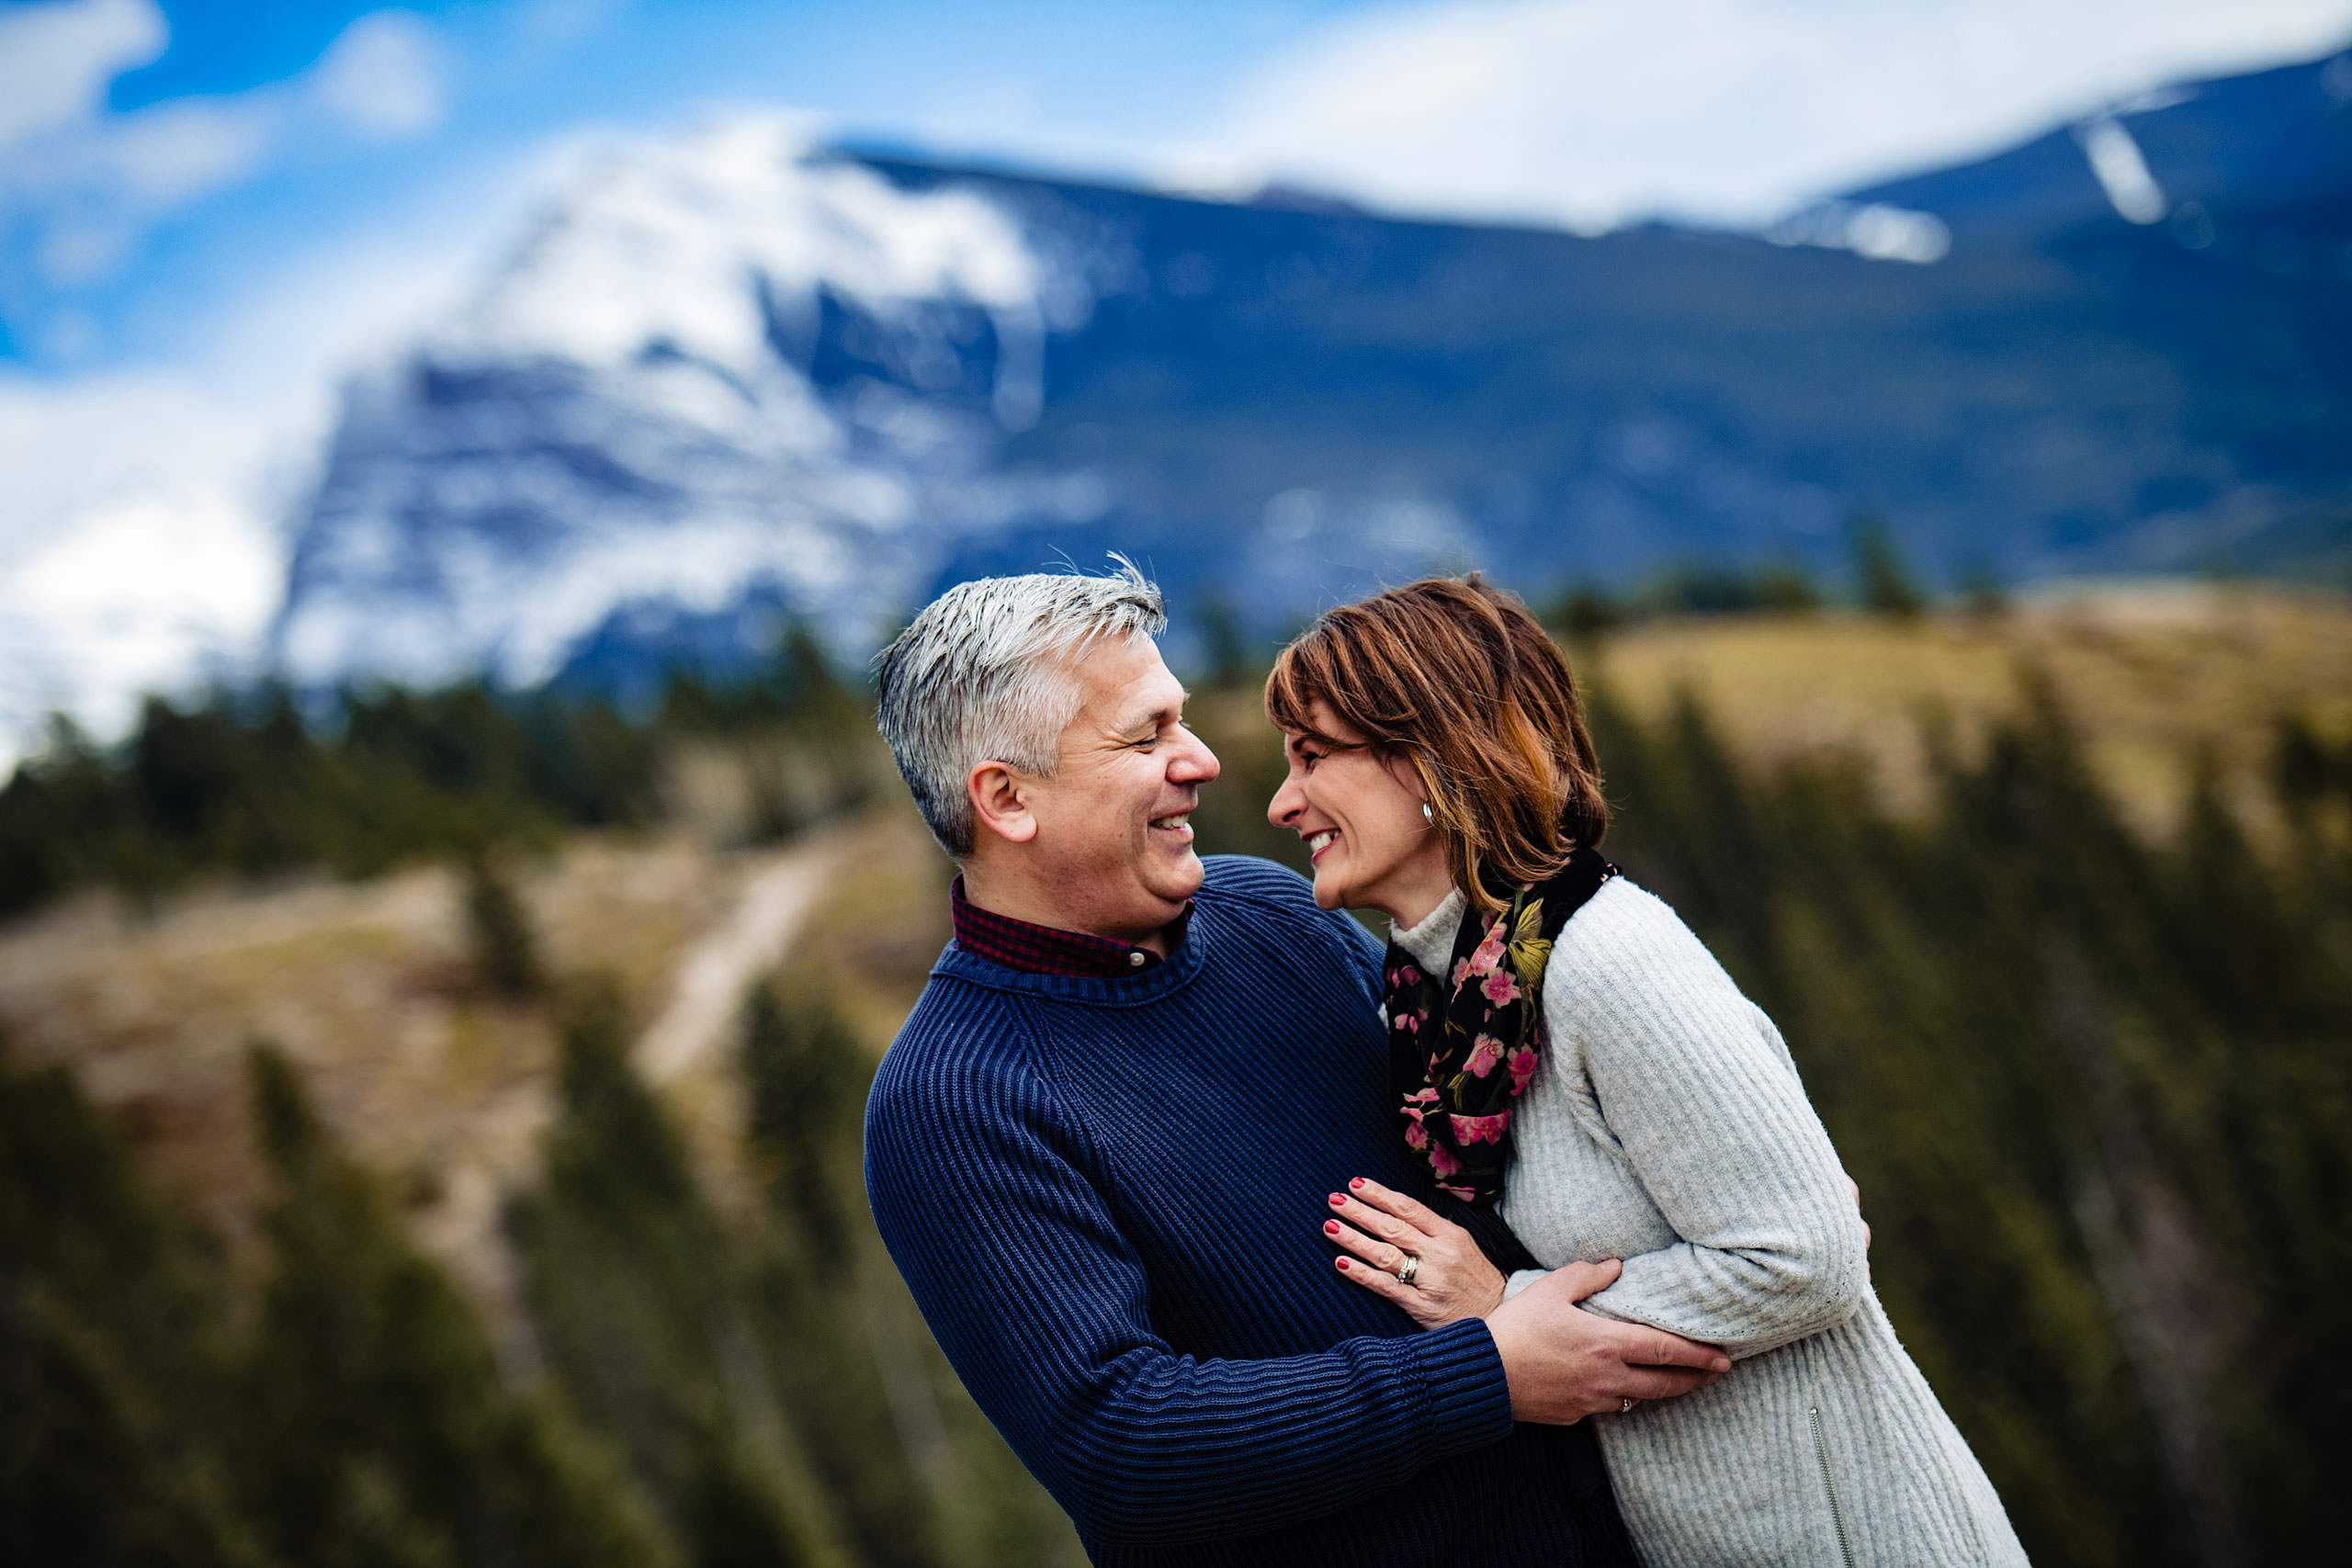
1000,803
1409,779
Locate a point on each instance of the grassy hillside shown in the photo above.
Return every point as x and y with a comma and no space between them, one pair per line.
2154,675
2160,680
2065,970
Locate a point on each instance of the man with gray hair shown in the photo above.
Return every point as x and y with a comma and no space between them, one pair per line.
1096,1147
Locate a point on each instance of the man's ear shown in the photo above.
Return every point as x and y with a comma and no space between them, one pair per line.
998,803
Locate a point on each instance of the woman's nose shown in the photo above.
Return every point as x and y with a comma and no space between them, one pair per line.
1288,802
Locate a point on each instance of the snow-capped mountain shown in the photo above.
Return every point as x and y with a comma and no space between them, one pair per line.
733,376
651,412
2267,140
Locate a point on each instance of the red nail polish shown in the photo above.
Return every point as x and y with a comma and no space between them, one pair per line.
1336,1200
1357,1182
1342,1262
1330,1228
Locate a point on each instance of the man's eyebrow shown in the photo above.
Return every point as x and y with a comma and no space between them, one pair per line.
1143,722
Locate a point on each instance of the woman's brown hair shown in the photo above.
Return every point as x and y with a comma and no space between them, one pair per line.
1457,678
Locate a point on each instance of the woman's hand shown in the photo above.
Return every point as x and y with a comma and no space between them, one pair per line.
1452,1279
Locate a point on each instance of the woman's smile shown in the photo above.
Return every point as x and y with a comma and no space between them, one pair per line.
1358,810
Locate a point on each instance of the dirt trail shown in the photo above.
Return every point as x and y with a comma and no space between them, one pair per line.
775,901
367,987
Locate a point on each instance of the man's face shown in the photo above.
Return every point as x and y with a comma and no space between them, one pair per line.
1114,832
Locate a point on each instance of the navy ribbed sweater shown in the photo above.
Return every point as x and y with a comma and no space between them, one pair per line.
1106,1197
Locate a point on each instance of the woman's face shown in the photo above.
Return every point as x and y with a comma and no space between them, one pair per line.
1361,815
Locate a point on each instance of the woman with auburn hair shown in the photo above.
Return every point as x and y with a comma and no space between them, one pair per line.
1563,1047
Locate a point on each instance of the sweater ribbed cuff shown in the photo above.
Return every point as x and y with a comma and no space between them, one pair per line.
1469,1396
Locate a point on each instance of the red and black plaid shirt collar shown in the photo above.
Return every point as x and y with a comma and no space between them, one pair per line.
1043,949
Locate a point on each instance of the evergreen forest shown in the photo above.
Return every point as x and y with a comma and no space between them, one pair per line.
2096,1085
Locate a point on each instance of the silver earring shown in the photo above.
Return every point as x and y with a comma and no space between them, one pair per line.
1427,815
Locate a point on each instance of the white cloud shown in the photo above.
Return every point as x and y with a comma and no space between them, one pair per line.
386,77
134,553
142,523
545,23
143,597
56,60
89,183
1589,111
173,153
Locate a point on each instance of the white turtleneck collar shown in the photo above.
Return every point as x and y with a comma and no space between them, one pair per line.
1429,940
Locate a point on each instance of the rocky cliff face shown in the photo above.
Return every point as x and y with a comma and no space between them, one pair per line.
727,372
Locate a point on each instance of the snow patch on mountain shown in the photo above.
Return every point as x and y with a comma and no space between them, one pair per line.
726,364
661,247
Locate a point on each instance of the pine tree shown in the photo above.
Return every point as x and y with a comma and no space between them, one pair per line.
801,1067
382,1434
1887,586
635,1286
498,929
919,1476
115,1354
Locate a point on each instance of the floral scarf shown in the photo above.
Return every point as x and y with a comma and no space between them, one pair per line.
1462,1048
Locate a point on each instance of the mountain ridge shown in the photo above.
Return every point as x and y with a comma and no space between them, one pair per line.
746,377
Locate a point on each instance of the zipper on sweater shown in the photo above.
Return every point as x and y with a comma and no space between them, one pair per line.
1830,1486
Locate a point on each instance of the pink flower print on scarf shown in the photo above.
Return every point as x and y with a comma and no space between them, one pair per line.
1523,1067
1485,1052
1479,1129
1483,958
1476,1034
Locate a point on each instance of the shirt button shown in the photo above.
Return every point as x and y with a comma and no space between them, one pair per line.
1134,960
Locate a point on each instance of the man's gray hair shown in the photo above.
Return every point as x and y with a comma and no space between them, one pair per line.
986,674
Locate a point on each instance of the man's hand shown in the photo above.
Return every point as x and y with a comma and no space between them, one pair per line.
1564,1364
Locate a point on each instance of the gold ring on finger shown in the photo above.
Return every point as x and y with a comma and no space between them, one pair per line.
1626,1402
1406,1270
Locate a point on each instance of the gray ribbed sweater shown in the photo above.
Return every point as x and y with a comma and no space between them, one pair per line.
1666,1126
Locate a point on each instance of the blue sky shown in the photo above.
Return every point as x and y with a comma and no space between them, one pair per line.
470,95
209,151
212,212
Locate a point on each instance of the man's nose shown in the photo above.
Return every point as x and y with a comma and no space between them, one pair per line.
1195,764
